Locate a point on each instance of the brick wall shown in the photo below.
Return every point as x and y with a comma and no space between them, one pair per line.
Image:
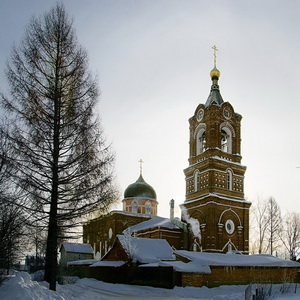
241,275
173,236
101,232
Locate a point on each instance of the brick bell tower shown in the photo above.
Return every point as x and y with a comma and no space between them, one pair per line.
215,177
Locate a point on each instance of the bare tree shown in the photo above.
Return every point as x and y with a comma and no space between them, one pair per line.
38,240
267,226
261,224
64,166
12,228
290,236
12,234
274,224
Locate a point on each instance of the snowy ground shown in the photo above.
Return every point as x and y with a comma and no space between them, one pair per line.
21,286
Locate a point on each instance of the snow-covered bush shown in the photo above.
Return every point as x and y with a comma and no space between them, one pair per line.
38,275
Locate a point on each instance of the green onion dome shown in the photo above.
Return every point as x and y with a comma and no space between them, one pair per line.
140,189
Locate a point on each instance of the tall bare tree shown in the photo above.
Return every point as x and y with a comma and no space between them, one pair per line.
290,235
64,166
274,224
259,210
268,225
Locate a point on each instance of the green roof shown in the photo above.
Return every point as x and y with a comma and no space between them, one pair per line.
140,189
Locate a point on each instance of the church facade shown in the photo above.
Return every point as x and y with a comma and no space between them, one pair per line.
214,191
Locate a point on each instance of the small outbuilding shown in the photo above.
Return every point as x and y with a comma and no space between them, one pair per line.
74,252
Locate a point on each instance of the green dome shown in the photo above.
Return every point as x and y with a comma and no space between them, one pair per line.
140,189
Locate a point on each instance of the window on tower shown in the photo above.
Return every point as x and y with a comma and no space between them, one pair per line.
226,140
229,180
201,142
197,181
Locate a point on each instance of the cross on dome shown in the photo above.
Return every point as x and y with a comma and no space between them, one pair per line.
215,55
141,166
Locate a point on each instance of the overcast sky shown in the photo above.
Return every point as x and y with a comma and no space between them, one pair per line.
153,60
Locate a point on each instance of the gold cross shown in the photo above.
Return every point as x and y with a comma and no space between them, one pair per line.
141,166
215,55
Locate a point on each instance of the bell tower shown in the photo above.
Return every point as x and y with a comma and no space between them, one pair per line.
215,176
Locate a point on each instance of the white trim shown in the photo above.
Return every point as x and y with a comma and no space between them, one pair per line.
229,179
218,158
230,209
242,200
199,143
196,182
199,126
221,171
226,124
231,243
214,202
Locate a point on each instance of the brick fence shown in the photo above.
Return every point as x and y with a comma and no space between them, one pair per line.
241,275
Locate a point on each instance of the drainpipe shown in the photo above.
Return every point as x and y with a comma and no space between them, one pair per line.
172,210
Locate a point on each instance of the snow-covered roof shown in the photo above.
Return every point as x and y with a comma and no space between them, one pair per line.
108,263
146,250
219,259
179,266
82,262
77,247
152,223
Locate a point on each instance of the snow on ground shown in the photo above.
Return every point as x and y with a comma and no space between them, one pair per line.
21,287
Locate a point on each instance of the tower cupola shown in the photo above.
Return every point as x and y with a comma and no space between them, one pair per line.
214,97
215,74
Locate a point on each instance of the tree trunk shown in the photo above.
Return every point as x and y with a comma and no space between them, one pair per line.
51,255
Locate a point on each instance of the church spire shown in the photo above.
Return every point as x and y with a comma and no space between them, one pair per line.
214,97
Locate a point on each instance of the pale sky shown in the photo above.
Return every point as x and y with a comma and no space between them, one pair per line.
153,60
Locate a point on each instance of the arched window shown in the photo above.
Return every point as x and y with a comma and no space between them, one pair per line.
197,181
148,207
201,141
229,179
134,207
226,140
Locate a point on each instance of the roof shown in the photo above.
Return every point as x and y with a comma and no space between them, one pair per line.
108,263
140,189
82,262
77,248
152,223
145,250
220,259
214,97
179,266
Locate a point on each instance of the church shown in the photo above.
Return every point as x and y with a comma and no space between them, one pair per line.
215,214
